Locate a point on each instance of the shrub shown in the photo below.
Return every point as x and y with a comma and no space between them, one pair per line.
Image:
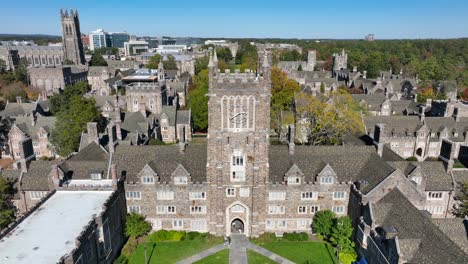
412,159
164,235
130,247
266,238
155,141
323,222
193,235
136,225
296,236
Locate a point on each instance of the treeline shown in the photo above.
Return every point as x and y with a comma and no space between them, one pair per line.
42,40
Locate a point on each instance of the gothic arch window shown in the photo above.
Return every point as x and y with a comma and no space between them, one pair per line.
238,112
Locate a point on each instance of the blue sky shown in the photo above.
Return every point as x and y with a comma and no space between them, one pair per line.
240,18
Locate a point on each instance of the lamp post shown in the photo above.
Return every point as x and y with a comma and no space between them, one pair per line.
146,257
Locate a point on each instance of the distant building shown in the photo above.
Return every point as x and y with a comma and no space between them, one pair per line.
135,47
370,37
85,40
117,39
98,39
71,37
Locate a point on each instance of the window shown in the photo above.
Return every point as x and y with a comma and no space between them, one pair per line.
303,224
314,209
416,180
276,196
244,192
237,160
171,209
309,196
339,195
230,192
276,209
198,225
96,175
294,180
394,144
164,128
135,102
198,209
37,195
434,195
238,176
282,224
197,195
434,209
270,224
237,167
302,209
178,224
165,195
147,179
134,209
338,209
326,180
180,180
35,144
133,195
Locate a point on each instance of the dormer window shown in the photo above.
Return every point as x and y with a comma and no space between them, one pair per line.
416,180
96,175
148,179
433,134
180,180
294,180
326,180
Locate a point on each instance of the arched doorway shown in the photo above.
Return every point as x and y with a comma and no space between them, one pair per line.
419,152
237,226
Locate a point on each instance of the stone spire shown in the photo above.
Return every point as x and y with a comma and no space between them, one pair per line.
210,63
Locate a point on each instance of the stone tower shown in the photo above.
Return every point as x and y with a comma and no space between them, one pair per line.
71,37
238,147
311,60
340,61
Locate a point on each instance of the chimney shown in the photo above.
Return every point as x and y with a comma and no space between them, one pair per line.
456,114
55,176
19,100
24,165
92,132
291,139
422,110
380,149
110,134
364,75
33,118
118,129
354,68
114,175
182,146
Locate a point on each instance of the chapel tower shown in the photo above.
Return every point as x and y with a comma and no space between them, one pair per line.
238,147
71,37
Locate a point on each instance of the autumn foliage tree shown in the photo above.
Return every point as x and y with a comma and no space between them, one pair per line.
282,93
328,122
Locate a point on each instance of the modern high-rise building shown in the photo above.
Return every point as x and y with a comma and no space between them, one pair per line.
98,39
71,37
117,39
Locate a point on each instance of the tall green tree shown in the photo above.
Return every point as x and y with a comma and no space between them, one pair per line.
71,122
461,209
341,233
170,63
198,101
154,61
136,225
323,223
7,209
60,102
97,60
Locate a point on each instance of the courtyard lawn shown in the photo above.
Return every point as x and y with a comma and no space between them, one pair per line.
222,257
171,252
256,258
302,252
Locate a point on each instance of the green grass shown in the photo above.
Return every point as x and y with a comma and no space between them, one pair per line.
256,258
302,252
221,257
171,252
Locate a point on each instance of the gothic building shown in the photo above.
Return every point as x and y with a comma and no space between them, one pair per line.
71,37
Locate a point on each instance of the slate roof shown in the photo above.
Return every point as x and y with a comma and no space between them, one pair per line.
394,210
97,70
171,112
183,117
25,124
373,101
37,177
164,159
16,109
436,177
351,163
90,159
456,229
135,121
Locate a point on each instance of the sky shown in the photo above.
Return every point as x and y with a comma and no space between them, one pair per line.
311,19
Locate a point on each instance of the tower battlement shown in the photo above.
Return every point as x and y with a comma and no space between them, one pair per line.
65,14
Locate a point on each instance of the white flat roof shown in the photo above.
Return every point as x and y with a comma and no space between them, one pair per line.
50,232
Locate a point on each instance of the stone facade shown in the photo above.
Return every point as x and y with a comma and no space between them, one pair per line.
97,76
71,37
51,80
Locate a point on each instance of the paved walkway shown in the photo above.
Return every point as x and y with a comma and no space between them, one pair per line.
202,254
237,252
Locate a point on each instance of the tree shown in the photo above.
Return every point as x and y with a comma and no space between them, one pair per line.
461,209
322,88
154,61
224,54
5,125
323,222
341,233
71,122
136,225
201,64
97,60
21,71
7,209
282,93
170,63
2,65
328,122
60,102
198,101
13,90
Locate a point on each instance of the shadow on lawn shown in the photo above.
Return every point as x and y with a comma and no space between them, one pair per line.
332,256
151,254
